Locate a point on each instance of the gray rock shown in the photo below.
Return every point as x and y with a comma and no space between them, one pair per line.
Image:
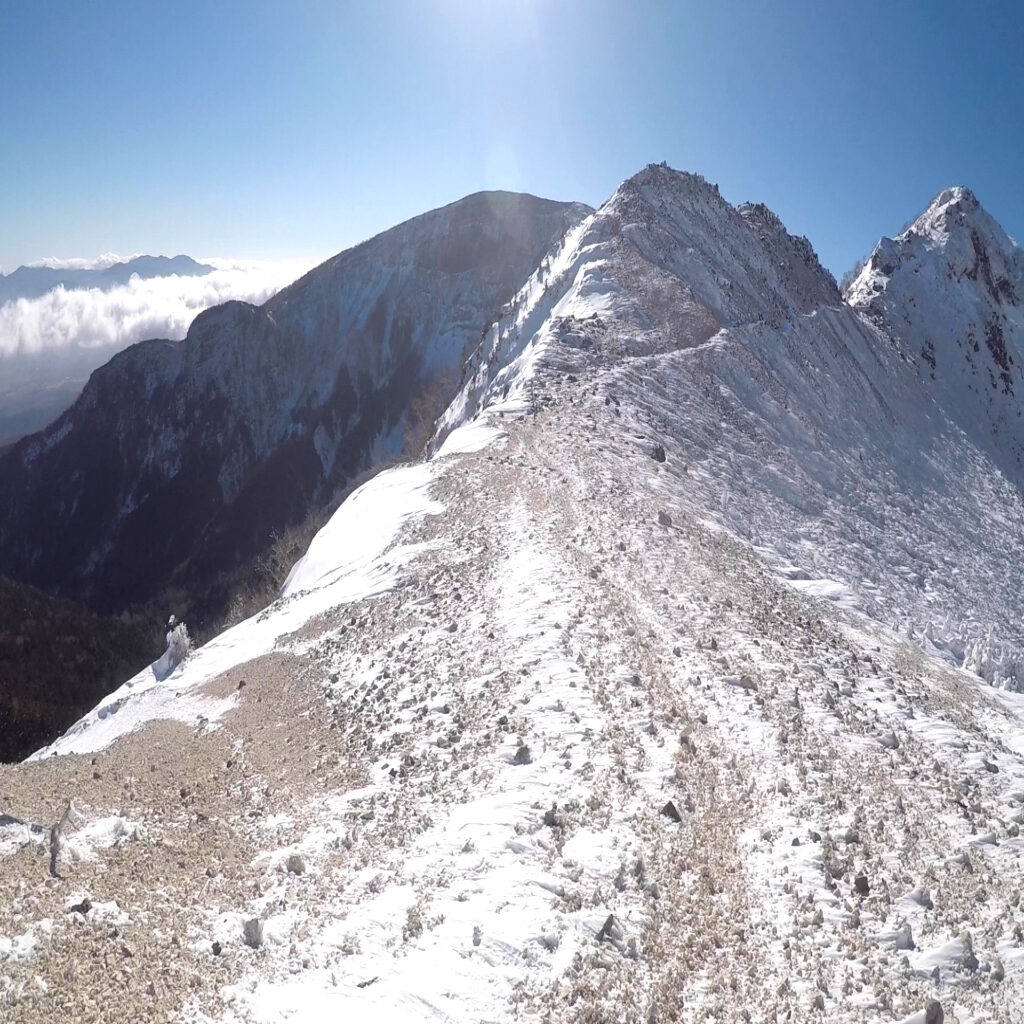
610,930
671,812
296,865
933,1012
664,519
252,932
889,740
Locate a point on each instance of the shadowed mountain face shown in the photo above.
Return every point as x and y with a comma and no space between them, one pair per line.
181,458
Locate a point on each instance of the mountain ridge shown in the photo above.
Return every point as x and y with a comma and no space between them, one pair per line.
950,291
683,679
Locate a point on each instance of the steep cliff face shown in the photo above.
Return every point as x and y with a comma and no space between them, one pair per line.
181,458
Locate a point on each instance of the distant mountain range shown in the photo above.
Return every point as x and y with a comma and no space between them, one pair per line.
29,282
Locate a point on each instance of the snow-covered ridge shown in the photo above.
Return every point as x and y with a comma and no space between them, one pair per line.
666,257
949,291
747,331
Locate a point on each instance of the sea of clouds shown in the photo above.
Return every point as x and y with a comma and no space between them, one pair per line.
49,345
156,307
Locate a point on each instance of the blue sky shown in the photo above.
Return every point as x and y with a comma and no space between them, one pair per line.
294,129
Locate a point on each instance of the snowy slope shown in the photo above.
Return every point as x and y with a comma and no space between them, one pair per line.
598,714
803,427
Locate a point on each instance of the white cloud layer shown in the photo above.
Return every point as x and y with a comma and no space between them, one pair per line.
159,307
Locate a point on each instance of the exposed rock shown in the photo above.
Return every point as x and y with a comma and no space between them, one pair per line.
671,812
904,937
252,932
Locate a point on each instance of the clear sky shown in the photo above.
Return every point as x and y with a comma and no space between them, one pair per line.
294,129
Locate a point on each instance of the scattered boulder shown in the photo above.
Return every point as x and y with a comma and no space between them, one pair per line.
610,930
664,519
904,937
933,1012
523,755
860,884
671,812
553,817
295,864
961,861
252,932
889,740
922,897
82,908
658,453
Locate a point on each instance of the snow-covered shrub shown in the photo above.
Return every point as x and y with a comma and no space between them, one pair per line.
179,643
